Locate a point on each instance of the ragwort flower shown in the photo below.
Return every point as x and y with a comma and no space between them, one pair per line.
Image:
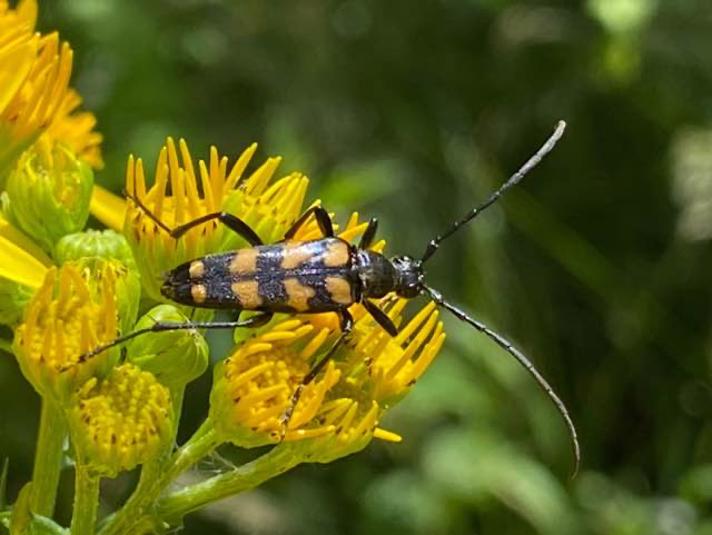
122,421
45,67
35,98
63,321
338,413
196,191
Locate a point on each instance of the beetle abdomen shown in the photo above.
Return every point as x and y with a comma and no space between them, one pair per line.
312,276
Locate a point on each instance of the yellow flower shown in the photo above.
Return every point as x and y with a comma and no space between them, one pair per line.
253,387
34,91
197,190
108,274
43,78
63,321
395,364
338,413
121,421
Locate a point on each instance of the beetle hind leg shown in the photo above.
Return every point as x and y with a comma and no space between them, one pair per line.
347,324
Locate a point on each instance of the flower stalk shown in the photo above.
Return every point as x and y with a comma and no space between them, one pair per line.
86,500
48,459
173,507
154,481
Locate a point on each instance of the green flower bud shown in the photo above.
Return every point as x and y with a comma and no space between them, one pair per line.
174,357
101,243
122,421
127,287
48,193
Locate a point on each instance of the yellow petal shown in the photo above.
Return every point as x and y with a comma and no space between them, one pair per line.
21,260
388,436
108,208
16,61
27,11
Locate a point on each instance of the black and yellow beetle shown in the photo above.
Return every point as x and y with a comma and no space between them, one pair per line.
323,275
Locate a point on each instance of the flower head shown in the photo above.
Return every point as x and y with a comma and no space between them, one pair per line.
63,321
338,413
253,387
35,98
107,274
40,81
121,421
197,190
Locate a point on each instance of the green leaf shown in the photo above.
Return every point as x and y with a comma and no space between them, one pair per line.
3,484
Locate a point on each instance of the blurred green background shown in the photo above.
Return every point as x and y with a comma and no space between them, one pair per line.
598,265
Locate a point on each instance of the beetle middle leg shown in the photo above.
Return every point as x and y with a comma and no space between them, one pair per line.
369,234
322,219
347,324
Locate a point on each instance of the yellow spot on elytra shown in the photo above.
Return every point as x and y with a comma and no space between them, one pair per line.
337,254
199,293
298,294
295,255
247,292
196,269
244,261
339,290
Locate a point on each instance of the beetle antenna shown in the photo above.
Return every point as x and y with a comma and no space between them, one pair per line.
531,163
524,361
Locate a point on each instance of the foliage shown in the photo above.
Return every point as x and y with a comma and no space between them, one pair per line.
412,112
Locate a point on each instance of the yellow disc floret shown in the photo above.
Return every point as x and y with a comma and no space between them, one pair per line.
121,421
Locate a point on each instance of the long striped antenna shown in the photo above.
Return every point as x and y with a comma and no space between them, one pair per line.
531,163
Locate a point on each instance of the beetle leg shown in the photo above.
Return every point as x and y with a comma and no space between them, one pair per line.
347,323
232,222
381,318
163,326
322,219
369,234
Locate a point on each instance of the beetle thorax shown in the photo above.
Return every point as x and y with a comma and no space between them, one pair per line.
376,273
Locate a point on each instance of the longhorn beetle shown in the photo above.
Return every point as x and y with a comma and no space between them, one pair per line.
323,275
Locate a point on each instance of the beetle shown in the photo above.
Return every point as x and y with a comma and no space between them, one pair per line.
323,275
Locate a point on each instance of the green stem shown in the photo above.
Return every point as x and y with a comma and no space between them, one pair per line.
173,507
48,459
155,478
86,501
